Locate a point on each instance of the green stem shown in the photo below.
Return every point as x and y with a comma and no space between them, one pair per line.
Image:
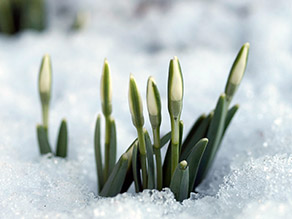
45,110
107,146
156,137
174,143
142,149
158,168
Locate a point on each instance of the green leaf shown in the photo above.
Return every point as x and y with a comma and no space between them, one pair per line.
198,131
113,185
181,130
167,167
194,160
214,135
33,14
62,144
44,144
136,168
97,152
112,146
165,139
150,161
231,112
129,176
192,131
180,181
6,17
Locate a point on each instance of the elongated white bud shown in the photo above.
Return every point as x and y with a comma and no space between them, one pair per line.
135,103
237,71
175,88
45,79
153,103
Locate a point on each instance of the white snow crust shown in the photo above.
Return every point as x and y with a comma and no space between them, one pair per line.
252,174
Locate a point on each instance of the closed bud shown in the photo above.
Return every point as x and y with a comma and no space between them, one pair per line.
237,71
45,80
135,103
153,103
106,90
175,88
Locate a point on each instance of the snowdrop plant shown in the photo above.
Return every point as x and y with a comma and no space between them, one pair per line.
110,147
187,162
16,15
45,87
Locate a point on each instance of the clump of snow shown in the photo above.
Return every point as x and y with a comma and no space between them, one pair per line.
251,176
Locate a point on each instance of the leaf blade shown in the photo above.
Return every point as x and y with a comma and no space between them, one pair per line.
97,153
44,145
62,144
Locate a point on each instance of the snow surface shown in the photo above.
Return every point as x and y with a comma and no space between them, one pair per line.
252,175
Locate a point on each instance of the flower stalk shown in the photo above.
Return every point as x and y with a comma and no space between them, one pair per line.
45,87
136,109
154,111
106,102
175,102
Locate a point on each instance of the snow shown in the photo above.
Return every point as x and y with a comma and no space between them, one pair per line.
251,176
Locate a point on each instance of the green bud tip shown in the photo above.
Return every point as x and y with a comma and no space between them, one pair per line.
106,89
135,103
45,78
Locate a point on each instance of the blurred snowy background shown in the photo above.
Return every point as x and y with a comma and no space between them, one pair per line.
252,175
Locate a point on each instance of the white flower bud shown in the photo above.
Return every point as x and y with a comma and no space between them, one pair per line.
153,103
175,88
177,82
45,76
135,103
237,71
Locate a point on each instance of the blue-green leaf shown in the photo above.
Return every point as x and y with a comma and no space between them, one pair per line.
194,160
114,183
180,181
136,168
43,141
214,136
198,131
62,143
112,146
97,152
150,161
